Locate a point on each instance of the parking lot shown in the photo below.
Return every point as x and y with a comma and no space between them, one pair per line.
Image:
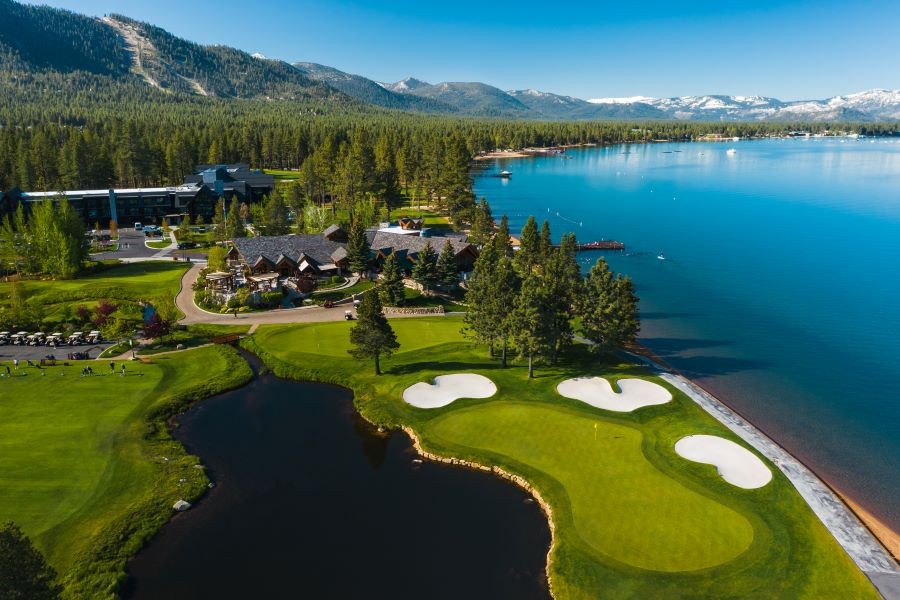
9,352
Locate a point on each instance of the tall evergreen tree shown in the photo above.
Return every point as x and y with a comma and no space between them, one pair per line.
482,224
425,270
372,335
531,320
546,242
446,270
501,239
529,248
234,225
358,247
392,288
276,219
608,308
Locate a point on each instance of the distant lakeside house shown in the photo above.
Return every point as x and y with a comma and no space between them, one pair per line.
197,196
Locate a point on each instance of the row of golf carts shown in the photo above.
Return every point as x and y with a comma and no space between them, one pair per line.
23,338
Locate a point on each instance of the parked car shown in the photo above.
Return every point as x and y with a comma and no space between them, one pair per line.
186,245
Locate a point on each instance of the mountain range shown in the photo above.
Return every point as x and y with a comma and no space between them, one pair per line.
40,41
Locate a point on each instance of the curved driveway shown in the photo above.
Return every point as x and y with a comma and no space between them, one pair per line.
195,315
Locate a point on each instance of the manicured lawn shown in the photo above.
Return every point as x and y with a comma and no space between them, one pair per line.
281,175
191,336
357,288
160,244
633,519
145,281
651,522
87,467
331,338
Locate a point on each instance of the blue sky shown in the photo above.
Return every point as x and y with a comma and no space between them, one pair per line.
789,50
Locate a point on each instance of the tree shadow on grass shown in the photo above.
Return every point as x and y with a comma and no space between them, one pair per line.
437,365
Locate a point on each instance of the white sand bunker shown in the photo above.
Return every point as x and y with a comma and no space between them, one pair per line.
448,388
737,465
597,392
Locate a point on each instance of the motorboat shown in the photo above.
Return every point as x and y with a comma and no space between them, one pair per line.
731,151
505,174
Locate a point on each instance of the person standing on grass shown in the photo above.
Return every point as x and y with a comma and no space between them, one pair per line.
16,363
8,374
112,367
123,369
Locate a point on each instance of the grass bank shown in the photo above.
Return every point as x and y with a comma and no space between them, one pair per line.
87,465
633,519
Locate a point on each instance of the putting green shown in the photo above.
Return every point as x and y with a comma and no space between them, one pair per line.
622,506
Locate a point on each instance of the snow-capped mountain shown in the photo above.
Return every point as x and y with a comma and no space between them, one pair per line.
872,105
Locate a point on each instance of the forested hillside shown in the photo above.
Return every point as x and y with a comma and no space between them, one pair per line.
41,38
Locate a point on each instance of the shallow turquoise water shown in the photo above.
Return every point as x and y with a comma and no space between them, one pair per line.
780,291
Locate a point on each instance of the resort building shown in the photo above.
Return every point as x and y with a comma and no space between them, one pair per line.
197,196
321,255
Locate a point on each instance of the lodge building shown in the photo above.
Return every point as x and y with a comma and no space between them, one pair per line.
197,196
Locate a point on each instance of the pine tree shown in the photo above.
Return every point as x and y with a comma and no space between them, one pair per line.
24,573
490,298
446,268
529,248
372,335
531,320
358,250
608,308
482,224
234,227
392,288
275,216
501,239
425,270
546,243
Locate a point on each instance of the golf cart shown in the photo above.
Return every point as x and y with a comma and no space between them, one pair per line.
76,338
19,339
94,337
37,339
4,338
55,339
348,315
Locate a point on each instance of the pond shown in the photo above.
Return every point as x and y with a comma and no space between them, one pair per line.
311,501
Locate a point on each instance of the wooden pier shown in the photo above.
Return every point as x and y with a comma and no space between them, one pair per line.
600,245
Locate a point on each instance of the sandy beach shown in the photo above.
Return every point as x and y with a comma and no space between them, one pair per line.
502,154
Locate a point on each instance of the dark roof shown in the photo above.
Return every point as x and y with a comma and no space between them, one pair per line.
331,230
314,247
413,244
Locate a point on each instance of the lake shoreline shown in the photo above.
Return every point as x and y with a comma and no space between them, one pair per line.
503,474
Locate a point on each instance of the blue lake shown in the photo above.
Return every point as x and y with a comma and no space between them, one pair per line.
780,291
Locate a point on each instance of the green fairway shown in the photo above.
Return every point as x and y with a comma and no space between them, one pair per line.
331,338
632,519
87,467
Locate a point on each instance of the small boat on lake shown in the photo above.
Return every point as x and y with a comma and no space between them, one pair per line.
731,151
661,256
505,174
